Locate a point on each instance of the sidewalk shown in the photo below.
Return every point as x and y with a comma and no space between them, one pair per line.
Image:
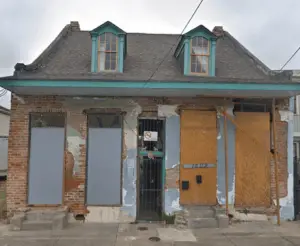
88,234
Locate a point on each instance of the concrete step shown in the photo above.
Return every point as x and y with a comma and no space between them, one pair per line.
39,220
36,225
201,213
43,214
194,223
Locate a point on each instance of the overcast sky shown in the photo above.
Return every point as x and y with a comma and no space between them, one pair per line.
268,28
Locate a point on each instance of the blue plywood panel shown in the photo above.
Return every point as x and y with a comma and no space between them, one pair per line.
104,166
45,184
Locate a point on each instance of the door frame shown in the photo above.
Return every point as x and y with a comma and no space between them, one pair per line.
121,114
28,158
163,173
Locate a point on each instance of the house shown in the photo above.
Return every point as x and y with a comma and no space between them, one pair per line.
296,77
131,125
4,130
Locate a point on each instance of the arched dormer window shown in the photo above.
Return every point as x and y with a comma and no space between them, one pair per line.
200,52
107,52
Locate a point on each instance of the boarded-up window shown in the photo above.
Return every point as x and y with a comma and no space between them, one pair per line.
104,159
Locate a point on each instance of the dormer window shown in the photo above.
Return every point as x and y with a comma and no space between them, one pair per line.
108,48
196,52
199,55
108,52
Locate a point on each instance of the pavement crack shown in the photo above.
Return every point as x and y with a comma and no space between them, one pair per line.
229,239
284,238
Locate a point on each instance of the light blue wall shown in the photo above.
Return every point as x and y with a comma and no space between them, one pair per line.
172,159
287,203
221,191
130,166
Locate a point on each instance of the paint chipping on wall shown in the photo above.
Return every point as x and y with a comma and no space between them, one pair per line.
172,201
286,115
172,177
167,110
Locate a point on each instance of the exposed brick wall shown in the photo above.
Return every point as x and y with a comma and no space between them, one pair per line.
18,148
74,189
3,186
282,138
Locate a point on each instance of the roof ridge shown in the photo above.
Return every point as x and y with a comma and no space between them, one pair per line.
36,63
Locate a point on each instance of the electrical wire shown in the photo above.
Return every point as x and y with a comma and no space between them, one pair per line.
167,54
290,59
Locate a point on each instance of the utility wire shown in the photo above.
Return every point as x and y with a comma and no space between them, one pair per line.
165,57
290,59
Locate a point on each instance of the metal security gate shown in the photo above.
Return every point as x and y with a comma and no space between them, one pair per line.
104,152
46,163
151,158
296,188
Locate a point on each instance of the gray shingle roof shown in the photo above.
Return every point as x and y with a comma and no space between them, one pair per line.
69,57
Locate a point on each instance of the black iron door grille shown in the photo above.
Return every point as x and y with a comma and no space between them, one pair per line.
150,194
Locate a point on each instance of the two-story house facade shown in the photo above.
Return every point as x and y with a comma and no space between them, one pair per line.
131,125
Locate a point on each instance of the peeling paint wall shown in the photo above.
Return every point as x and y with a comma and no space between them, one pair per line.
221,190
287,203
76,141
172,160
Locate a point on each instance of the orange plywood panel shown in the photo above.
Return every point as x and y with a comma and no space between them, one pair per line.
252,174
198,141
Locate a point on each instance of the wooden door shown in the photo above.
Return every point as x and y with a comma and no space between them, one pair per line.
198,144
252,185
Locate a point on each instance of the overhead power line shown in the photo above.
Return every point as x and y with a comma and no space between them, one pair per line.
288,61
167,54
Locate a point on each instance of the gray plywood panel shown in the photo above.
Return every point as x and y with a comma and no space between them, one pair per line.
46,166
104,166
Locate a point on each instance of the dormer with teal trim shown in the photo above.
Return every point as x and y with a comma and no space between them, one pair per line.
108,48
196,52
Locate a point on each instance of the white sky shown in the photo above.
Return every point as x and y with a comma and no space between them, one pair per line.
268,28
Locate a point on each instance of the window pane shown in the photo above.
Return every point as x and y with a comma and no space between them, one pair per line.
199,64
107,61
47,120
101,61
107,47
104,121
200,46
195,64
113,61
113,43
113,57
204,64
102,37
194,68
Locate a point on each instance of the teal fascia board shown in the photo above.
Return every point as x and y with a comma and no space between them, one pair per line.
152,85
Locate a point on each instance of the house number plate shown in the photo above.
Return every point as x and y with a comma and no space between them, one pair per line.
201,165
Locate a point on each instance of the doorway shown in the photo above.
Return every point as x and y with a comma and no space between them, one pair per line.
151,136
198,157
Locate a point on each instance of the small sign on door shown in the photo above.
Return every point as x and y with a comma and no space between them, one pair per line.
150,136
